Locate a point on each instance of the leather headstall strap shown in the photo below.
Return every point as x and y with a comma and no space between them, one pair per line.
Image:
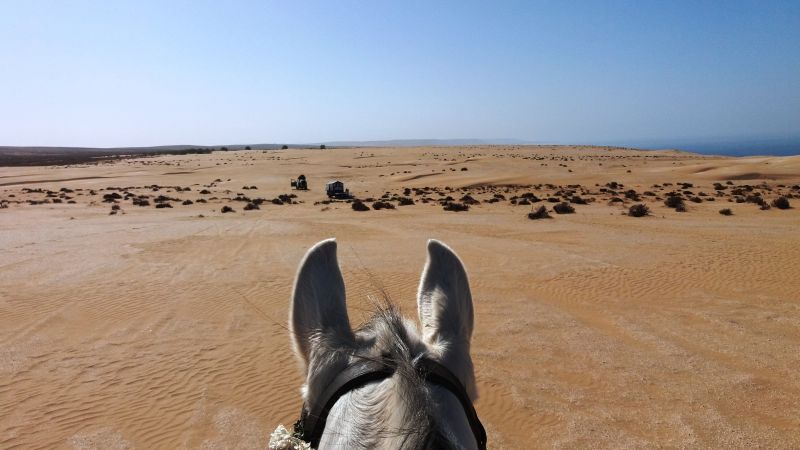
314,417
435,373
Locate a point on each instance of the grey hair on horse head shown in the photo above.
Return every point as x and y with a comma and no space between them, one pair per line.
405,407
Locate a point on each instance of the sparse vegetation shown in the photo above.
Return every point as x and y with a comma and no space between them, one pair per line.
674,201
726,212
781,203
111,198
577,200
540,213
630,194
455,206
469,200
563,208
382,205
358,205
638,210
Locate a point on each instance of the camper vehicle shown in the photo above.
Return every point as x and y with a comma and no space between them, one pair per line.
335,189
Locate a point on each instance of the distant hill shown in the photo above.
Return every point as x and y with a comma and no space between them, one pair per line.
424,142
43,156
47,156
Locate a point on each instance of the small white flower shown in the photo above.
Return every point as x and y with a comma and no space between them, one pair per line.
281,439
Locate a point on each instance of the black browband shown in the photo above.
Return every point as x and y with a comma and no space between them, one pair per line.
356,375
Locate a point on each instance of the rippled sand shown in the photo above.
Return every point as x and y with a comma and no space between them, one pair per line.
159,328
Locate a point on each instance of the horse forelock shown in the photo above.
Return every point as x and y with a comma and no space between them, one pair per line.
399,409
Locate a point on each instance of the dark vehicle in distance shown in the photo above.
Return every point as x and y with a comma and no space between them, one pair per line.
300,183
335,189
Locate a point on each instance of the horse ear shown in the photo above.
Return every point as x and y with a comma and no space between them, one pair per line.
318,302
444,301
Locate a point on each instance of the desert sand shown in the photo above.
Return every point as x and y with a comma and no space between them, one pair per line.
166,327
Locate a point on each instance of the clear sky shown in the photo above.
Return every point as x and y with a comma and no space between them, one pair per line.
126,73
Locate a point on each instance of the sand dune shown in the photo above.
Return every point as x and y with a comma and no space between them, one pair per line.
165,327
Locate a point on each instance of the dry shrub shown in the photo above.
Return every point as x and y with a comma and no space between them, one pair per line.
455,206
382,205
540,213
638,210
673,201
577,200
469,200
112,197
287,198
630,194
358,205
781,203
563,208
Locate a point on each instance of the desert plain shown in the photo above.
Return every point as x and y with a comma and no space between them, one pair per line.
128,325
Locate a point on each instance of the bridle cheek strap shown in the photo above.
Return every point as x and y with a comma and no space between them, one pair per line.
313,417
433,372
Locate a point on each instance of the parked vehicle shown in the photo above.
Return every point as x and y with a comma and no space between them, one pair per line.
300,183
335,189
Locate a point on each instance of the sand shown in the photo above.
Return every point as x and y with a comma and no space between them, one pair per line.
165,327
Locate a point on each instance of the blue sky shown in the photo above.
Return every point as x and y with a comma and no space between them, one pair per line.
119,73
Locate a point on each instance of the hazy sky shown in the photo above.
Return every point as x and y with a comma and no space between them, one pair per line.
115,73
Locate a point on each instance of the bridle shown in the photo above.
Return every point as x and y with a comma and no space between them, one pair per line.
358,374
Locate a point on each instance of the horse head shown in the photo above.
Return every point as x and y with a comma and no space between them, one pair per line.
386,384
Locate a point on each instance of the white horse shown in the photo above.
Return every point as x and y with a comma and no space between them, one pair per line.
385,385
